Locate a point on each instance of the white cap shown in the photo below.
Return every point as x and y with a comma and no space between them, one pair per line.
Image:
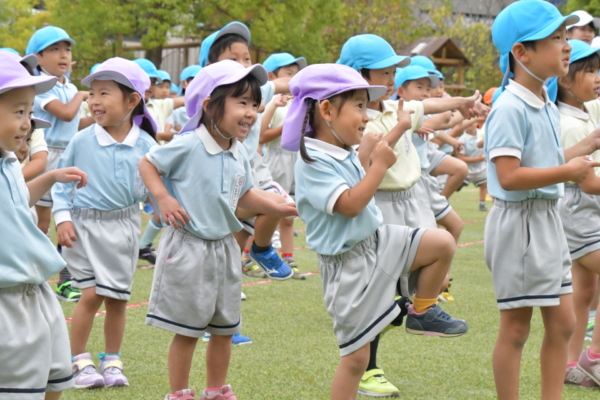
584,19
596,42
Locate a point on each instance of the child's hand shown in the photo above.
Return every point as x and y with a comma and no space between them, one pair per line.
280,100
595,138
468,109
383,154
580,168
482,157
172,212
86,95
65,233
480,144
286,210
424,132
404,116
70,174
368,142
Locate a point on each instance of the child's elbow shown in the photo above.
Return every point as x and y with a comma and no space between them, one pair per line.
506,183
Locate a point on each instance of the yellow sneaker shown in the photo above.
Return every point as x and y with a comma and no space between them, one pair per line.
374,384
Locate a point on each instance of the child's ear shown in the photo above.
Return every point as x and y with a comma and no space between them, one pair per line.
400,92
520,53
272,76
565,82
205,104
134,100
326,110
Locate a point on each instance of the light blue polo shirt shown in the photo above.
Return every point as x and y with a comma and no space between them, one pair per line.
318,186
471,150
523,126
26,254
114,180
421,147
61,132
251,141
206,180
180,117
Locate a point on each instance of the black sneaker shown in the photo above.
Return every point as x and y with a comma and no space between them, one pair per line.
148,253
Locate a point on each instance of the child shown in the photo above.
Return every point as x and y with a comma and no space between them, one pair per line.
397,196
198,257
525,246
363,263
584,29
579,209
99,227
60,106
472,154
180,117
35,341
162,90
232,43
279,161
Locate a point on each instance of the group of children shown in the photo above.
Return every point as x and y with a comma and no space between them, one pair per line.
361,150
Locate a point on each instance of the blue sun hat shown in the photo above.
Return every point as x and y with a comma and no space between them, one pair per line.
45,37
279,60
413,72
234,27
523,21
148,67
164,76
370,52
189,72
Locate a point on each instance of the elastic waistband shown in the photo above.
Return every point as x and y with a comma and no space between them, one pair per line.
394,196
531,204
20,288
358,250
59,149
90,213
572,186
190,237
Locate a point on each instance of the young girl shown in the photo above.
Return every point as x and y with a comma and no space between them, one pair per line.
99,227
585,29
197,282
579,209
363,263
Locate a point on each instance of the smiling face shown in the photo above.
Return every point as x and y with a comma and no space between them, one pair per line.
418,89
240,114
584,33
56,59
108,104
346,115
16,108
382,77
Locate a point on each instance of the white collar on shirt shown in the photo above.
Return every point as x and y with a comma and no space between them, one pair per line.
372,114
527,95
336,152
105,139
572,111
211,145
8,155
58,83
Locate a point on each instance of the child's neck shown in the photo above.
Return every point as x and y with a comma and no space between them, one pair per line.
375,105
225,144
327,137
573,102
119,132
529,82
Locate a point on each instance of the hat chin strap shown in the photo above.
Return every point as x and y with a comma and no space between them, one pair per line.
528,71
335,134
220,134
123,120
573,96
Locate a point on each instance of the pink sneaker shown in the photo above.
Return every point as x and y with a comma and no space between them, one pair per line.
185,394
111,369
589,367
575,376
224,394
85,374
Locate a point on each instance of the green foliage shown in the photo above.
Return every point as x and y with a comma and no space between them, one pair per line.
18,21
591,6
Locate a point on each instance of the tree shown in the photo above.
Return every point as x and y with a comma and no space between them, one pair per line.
591,6
18,21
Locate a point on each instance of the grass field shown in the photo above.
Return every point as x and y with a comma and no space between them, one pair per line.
294,353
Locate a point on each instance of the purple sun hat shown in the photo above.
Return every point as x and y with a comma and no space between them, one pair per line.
14,76
31,59
222,73
40,123
319,82
127,73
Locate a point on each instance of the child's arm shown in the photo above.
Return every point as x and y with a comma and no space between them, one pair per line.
267,134
36,165
85,122
470,160
404,124
252,201
67,112
366,147
465,105
172,212
178,102
282,85
353,201
586,146
43,183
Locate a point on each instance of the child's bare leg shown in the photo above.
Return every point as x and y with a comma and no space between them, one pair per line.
265,225
433,258
218,354
595,345
453,224
114,324
457,171
482,191
241,238
506,360
44,214
584,288
558,325
52,395
286,235
348,373
83,319
181,353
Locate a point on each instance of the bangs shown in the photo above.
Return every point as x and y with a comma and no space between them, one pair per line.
239,88
590,62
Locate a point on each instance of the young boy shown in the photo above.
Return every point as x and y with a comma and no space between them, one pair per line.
525,246
32,320
472,154
61,107
280,161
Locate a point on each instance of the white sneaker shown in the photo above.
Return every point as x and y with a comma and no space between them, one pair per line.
276,240
243,296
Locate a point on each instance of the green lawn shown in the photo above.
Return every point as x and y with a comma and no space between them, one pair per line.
294,353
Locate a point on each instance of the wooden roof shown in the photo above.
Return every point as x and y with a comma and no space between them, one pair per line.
441,49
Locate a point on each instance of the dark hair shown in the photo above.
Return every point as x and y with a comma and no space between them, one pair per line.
27,67
276,71
591,25
590,62
215,108
223,43
138,110
338,100
366,73
530,44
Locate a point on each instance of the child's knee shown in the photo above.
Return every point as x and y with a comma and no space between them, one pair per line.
517,335
445,244
357,362
462,169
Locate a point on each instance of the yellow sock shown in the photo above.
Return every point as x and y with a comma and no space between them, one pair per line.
421,305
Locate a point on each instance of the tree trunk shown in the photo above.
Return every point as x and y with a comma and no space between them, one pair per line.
155,55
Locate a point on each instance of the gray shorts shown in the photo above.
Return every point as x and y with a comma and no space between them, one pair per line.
477,178
281,163
428,187
197,285
106,251
54,154
261,175
36,356
360,284
580,216
527,252
435,158
402,207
